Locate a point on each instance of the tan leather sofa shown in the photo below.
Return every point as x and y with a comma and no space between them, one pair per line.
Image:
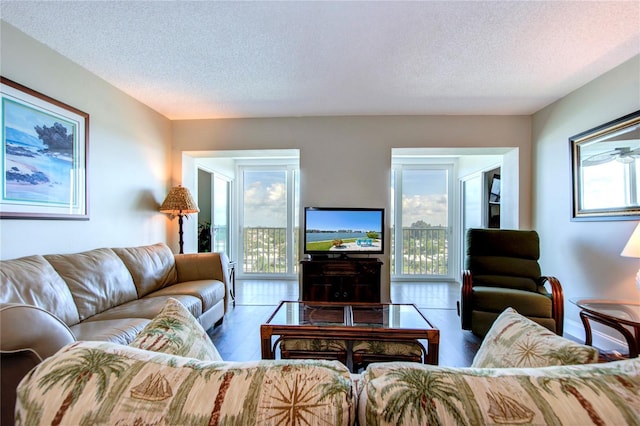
103,294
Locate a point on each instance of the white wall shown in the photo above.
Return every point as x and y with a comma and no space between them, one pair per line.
585,256
472,164
129,157
346,161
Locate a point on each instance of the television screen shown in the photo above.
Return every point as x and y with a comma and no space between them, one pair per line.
342,231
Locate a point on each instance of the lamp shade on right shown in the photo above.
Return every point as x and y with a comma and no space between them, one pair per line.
632,248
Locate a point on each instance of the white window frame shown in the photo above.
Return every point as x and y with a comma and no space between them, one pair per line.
417,163
291,169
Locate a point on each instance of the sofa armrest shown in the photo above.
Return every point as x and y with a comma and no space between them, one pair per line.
205,266
202,266
29,335
27,327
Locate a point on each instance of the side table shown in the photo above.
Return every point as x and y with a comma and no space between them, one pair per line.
621,315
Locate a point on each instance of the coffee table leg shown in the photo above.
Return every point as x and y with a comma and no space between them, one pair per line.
265,343
432,354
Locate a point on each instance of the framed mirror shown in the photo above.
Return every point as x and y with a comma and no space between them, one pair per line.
605,164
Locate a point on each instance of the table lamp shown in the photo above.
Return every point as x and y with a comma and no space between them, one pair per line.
179,203
632,249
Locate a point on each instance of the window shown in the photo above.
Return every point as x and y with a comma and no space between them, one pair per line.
421,221
268,220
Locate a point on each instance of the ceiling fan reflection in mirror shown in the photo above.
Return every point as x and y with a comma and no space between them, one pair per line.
620,154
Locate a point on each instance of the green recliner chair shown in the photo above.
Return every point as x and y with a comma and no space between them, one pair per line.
501,270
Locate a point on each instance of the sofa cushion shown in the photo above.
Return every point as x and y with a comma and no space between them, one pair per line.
127,386
152,267
516,341
148,307
121,331
98,280
175,331
412,394
210,292
33,281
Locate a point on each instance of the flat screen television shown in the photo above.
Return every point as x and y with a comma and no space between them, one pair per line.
342,231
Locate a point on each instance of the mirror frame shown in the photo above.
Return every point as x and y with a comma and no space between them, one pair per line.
590,137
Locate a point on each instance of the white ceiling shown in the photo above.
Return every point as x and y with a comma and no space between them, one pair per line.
206,59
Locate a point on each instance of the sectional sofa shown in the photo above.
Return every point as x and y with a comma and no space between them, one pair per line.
106,294
179,378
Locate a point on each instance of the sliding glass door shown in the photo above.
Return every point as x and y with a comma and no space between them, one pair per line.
268,220
215,211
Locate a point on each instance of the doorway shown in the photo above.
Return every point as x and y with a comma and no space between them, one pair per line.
437,193
249,201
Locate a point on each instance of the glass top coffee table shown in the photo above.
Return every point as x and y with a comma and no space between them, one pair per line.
622,315
349,322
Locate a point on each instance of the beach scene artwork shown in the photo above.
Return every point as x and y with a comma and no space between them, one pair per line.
39,156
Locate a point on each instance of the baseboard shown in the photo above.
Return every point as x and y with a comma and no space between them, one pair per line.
601,340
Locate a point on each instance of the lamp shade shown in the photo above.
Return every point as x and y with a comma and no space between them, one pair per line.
179,202
632,249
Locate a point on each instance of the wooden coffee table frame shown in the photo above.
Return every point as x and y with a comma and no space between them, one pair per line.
348,332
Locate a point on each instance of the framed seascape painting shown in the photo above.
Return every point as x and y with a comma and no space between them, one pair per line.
44,156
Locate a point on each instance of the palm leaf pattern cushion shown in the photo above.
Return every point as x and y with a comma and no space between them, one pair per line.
416,394
515,341
90,383
328,345
176,331
379,347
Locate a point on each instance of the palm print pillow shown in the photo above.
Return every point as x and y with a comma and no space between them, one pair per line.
403,393
516,341
175,331
102,383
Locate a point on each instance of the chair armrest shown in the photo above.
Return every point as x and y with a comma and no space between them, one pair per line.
465,300
557,301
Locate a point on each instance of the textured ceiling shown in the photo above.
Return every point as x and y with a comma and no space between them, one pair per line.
205,59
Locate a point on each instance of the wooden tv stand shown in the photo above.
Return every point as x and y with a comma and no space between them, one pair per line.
341,280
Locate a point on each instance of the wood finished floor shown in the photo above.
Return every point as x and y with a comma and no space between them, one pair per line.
238,338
